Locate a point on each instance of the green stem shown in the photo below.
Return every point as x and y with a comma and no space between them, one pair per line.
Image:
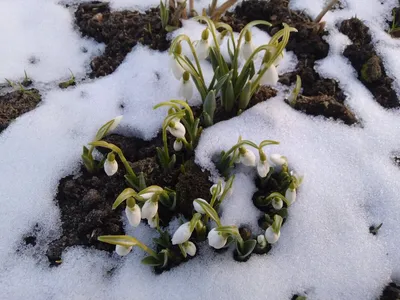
245,142
147,249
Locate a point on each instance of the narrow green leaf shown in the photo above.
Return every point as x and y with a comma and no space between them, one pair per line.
152,261
125,194
122,240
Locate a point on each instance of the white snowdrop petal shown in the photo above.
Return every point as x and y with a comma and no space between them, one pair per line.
122,250
271,236
178,145
197,207
110,167
216,239
133,215
270,76
186,89
182,234
190,249
248,158
290,195
149,209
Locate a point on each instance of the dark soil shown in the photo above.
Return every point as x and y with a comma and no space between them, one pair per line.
391,292
85,201
369,66
120,31
85,206
308,44
16,103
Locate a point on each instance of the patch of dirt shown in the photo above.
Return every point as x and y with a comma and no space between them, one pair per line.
85,201
120,31
308,44
16,103
391,292
369,66
85,207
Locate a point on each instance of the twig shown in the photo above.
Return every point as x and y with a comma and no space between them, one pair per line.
325,10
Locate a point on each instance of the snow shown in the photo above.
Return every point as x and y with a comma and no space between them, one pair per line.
325,249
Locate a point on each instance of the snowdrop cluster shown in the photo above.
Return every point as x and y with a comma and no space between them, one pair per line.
232,85
180,123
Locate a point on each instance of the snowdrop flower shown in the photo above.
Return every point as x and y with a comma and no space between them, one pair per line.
271,236
273,232
247,48
115,124
203,47
197,206
290,195
149,209
177,129
182,234
134,215
247,157
186,88
122,250
178,145
263,167
216,239
190,248
270,76
262,241
152,222
176,68
278,159
214,187
277,203
110,165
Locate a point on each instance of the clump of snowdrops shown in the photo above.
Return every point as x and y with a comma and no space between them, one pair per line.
233,82
109,162
277,185
183,126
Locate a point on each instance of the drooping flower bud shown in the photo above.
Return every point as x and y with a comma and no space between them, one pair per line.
133,215
261,241
149,209
177,129
197,206
278,159
277,203
116,122
203,47
247,157
263,168
271,236
270,77
290,195
216,239
182,234
190,248
178,145
213,189
247,48
186,88
122,250
110,165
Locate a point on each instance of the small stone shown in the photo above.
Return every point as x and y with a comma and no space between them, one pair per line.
371,71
